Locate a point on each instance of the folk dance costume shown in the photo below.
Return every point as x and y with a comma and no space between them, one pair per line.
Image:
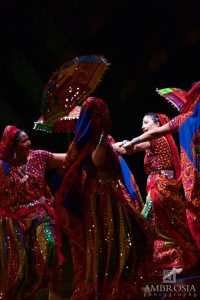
188,125
164,208
28,251
110,240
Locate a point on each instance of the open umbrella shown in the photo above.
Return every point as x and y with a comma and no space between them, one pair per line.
73,82
65,124
175,96
182,100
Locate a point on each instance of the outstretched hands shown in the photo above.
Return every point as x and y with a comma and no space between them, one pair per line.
129,147
126,147
119,147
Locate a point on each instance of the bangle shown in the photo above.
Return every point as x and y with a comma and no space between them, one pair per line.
103,139
124,142
136,140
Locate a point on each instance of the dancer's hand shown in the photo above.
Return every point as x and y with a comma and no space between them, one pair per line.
120,144
127,144
128,147
119,150
119,147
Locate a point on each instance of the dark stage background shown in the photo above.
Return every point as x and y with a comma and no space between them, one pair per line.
148,43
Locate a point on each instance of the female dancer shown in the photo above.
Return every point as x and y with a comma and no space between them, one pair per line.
29,257
173,247
188,125
110,240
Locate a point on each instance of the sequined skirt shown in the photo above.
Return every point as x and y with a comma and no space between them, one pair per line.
118,245
27,254
165,210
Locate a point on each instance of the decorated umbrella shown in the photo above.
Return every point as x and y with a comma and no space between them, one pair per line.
64,124
175,96
180,99
73,82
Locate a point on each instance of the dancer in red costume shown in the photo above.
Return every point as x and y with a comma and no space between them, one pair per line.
110,240
173,247
29,255
188,125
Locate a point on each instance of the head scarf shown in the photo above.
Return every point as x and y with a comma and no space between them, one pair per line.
183,101
164,120
192,97
93,119
189,136
6,145
67,184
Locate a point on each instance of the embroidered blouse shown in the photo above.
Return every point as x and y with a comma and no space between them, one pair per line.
158,157
24,187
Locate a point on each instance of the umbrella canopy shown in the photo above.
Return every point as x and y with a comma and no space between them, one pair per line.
175,96
64,124
182,100
70,85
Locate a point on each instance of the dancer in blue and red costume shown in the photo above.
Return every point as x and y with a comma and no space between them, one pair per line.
164,208
188,125
111,242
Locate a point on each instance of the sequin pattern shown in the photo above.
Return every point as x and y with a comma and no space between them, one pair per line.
165,210
158,157
190,168
118,241
27,228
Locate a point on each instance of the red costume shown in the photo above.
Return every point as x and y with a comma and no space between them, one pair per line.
173,246
111,242
27,222
188,126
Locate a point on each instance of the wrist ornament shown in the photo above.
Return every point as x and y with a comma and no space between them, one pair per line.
124,142
135,141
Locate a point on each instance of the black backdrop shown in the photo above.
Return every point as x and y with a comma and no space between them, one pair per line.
148,43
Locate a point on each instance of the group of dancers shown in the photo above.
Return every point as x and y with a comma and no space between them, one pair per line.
117,240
